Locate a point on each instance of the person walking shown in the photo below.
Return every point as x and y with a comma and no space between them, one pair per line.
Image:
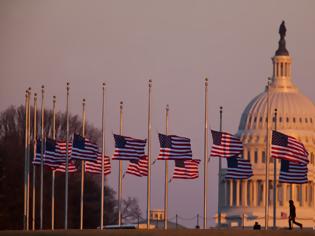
293,215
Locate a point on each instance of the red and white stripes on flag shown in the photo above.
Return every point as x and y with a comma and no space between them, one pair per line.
173,147
83,149
225,145
62,167
186,169
238,168
288,148
293,172
96,167
127,148
138,167
54,152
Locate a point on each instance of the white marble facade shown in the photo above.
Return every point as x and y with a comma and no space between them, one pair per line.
243,202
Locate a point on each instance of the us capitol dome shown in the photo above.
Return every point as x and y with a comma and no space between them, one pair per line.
242,202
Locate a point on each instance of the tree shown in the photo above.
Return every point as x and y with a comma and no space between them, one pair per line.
12,136
131,212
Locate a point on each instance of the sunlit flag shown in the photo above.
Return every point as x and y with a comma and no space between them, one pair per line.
62,167
186,169
138,167
174,147
96,167
127,148
238,168
225,145
83,149
293,173
288,148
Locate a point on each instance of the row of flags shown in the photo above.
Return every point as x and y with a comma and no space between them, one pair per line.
291,152
293,155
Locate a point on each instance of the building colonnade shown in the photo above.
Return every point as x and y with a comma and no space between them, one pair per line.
250,193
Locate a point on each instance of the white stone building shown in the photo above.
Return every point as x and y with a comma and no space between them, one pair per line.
245,200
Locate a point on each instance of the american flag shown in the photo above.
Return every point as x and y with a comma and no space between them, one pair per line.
96,167
138,167
62,167
173,147
127,148
292,172
238,168
186,169
83,149
225,145
54,152
288,148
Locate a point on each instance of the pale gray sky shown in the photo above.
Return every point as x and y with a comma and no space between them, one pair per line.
176,44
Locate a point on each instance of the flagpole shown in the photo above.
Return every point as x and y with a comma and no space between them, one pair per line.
82,167
149,158
267,159
67,161
34,166
166,173
103,153
53,171
205,180
120,167
275,181
42,161
28,160
219,175
25,160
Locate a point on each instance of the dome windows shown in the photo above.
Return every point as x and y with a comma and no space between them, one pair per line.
263,157
281,67
256,156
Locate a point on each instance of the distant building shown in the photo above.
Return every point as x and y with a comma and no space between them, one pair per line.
296,117
157,221
157,214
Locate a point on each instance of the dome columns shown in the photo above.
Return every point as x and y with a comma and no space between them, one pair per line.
281,67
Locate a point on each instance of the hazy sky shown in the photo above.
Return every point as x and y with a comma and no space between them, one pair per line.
174,43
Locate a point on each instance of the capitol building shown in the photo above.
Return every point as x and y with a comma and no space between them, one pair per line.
242,202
